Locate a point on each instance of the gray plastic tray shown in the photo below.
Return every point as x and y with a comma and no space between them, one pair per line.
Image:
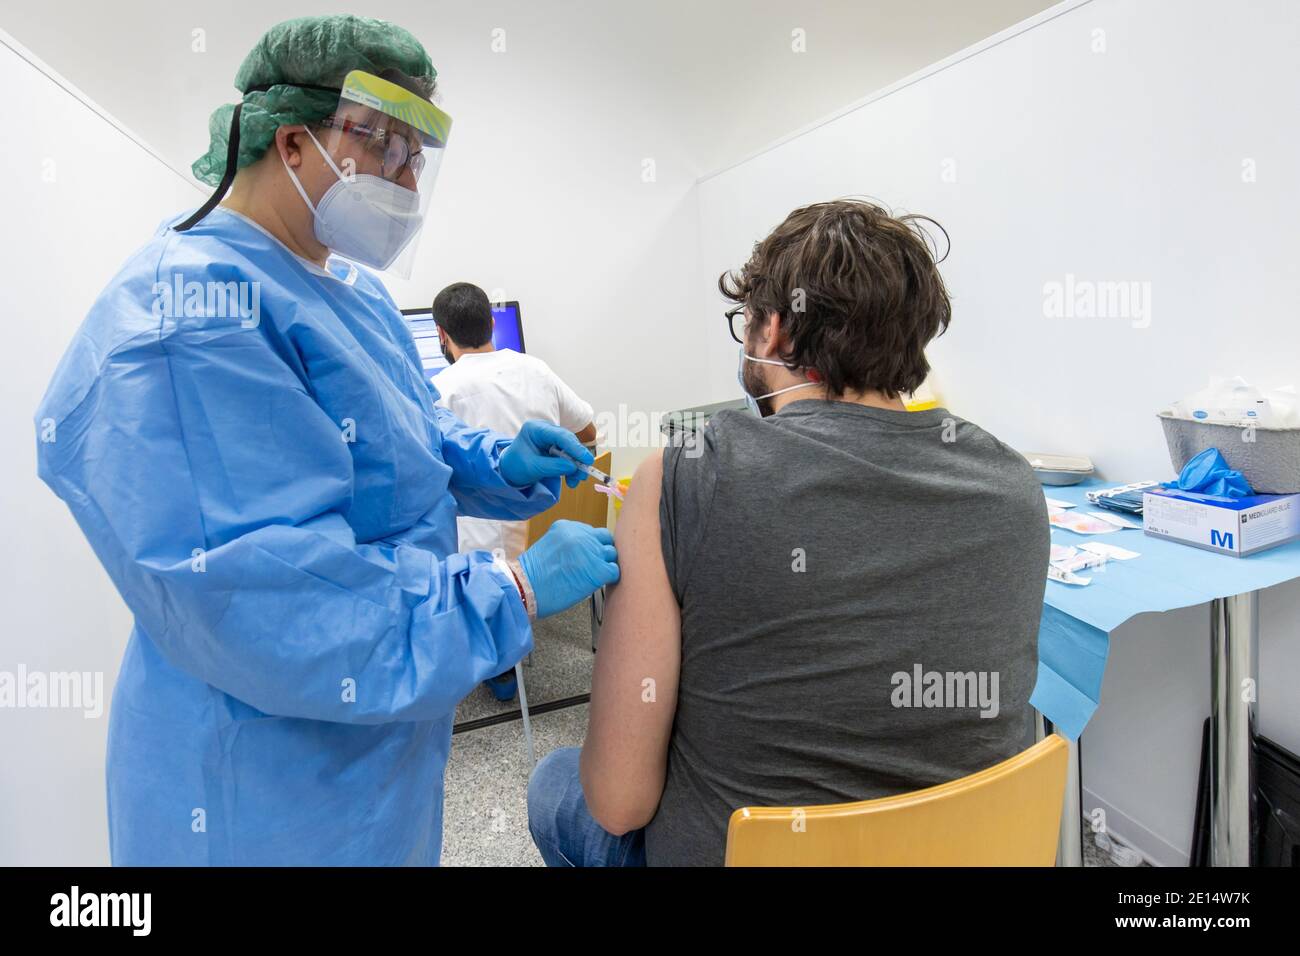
1271,462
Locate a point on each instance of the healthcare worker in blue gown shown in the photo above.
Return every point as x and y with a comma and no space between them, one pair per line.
273,490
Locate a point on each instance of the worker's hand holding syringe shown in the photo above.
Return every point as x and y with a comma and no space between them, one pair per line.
605,482
572,559
532,457
542,450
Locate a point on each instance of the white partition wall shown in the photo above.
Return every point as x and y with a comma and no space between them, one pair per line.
1139,147
1116,141
79,195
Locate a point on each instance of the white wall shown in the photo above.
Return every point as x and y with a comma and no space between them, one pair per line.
1117,165
78,195
566,186
701,59
544,193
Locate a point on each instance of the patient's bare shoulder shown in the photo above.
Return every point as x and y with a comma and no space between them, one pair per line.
636,535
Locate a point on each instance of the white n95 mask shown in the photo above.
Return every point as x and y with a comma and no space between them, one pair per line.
366,218
751,401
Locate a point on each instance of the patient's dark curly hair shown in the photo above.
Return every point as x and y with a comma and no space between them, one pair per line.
858,292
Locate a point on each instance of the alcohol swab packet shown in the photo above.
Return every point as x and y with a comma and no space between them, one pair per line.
1115,519
1080,523
1109,550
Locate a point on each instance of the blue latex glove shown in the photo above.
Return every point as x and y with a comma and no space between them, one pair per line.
571,561
1208,474
528,459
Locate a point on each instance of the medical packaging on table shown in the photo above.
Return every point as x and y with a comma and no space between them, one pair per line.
1235,526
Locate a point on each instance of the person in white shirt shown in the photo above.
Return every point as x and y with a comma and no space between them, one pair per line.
486,387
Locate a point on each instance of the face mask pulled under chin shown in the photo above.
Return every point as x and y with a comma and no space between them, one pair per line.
751,401
366,218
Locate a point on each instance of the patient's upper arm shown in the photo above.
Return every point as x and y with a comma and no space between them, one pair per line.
638,657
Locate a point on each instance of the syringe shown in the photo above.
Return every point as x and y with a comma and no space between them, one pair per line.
601,477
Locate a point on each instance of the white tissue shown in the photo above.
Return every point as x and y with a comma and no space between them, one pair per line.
1234,401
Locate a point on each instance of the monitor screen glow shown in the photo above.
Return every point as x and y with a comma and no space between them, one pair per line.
507,330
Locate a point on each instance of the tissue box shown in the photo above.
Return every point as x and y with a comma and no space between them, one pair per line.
1235,526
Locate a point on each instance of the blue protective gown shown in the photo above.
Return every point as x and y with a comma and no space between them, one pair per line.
274,493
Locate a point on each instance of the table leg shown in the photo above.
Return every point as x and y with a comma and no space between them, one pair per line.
1234,677
1069,847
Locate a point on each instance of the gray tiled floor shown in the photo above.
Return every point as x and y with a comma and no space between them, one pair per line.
485,819
485,812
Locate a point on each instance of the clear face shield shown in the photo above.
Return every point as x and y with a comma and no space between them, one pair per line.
384,145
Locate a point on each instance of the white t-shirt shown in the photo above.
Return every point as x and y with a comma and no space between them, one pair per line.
501,390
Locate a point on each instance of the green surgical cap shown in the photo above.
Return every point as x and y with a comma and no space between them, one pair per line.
319,51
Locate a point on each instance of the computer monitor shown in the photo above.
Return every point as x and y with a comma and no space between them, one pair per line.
507,333
508,327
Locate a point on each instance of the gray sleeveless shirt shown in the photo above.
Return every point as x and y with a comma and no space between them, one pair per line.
860,593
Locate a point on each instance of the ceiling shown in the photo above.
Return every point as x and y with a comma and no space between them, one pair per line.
724,71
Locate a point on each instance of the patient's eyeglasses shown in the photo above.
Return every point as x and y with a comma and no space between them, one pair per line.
737,331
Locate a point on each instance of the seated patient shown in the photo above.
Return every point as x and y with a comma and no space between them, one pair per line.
832,601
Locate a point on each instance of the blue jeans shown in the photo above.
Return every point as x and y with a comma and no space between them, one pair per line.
562,827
